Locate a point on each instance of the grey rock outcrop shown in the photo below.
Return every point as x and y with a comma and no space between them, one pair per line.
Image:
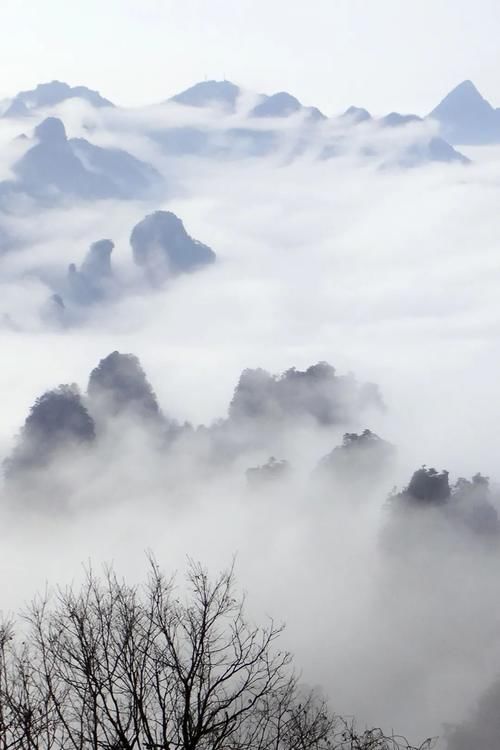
118,386
162,247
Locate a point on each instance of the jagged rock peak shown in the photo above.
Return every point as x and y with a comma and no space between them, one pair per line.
119,385
317,394
162,246
97,262
57,421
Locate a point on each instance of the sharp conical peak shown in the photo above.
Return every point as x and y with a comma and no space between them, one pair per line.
466,87
466,117
464,95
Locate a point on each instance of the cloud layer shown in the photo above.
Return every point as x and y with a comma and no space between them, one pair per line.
389,273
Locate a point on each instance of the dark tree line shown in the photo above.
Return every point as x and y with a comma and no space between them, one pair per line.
272,470
63,418
317,394
471,503
113,667
119,385
361,458
57,421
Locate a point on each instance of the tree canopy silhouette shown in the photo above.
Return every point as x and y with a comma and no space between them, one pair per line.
58,420
112,666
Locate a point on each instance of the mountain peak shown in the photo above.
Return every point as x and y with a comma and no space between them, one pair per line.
281,104
206,93
162,246
51,89
465,94
51,130
467,117
357,114
466,87
49,95
395,119
118,385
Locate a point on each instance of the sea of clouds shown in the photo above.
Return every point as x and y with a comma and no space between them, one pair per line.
387,272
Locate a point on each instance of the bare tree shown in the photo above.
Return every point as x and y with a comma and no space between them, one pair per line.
114,667
26,711
349,737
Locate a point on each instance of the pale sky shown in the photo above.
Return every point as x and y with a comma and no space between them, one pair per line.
380,54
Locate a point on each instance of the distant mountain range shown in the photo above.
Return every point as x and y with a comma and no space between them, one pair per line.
224,96
464,115
56,164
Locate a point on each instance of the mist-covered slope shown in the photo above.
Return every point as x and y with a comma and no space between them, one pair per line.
56,166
